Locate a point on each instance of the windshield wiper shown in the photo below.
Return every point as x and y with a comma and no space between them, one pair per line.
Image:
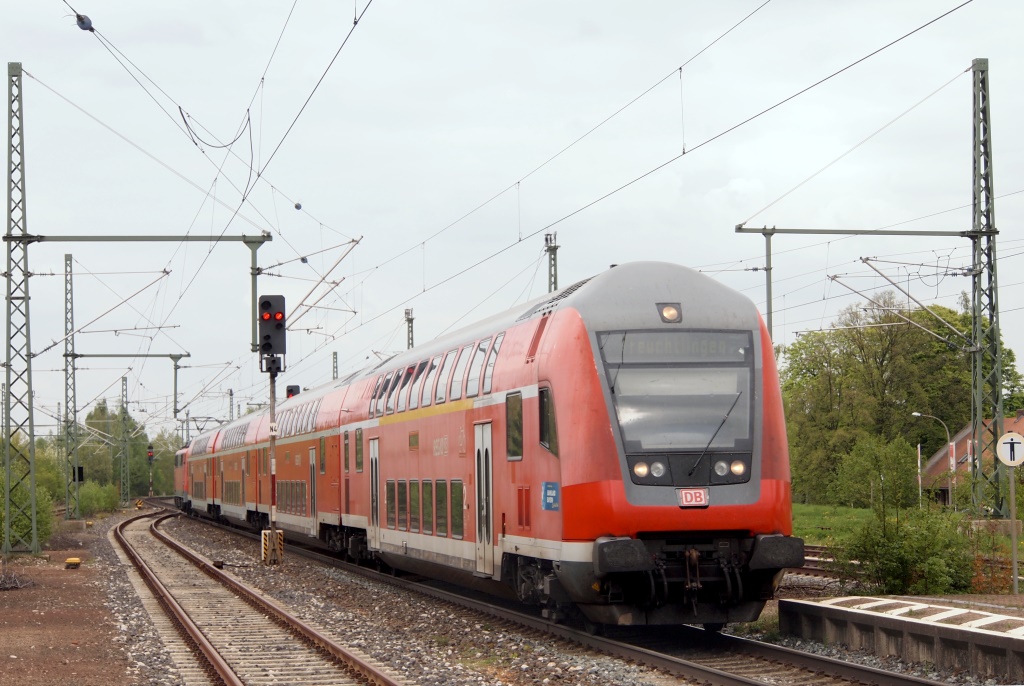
712,439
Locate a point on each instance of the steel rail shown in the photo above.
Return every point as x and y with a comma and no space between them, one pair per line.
278,613
186,627
677,666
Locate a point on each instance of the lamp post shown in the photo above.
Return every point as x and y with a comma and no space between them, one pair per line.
949,447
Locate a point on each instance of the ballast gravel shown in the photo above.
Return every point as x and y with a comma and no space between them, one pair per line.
428,641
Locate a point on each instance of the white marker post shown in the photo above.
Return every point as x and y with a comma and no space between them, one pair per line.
1010,450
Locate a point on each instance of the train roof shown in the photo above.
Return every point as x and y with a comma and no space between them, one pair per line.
603,300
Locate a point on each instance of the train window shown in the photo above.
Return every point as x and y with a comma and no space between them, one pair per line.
548,431
376,392
681,391
346,452
428,507
383,392
442,507
323,456
491,359
458,376
414,389
442,379
403,512
359,450
403,392
514,426
313,460
457,517
389,503
393,391
476,367
414,506
428,382
414,440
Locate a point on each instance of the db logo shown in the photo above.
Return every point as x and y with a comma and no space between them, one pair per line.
693,497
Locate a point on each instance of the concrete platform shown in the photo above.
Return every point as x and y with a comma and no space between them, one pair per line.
985,644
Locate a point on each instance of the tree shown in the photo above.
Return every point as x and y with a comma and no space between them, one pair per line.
882,476
866,376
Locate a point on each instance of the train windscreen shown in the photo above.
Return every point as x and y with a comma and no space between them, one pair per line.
681,391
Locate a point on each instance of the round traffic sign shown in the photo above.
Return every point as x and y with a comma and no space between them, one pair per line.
1010,449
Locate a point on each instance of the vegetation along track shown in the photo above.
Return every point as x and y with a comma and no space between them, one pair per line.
691,653
238,636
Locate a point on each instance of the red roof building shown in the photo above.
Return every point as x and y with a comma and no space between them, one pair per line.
948,468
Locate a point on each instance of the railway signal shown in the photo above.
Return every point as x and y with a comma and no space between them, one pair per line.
291,391
272,319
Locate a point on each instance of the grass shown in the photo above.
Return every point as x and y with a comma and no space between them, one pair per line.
828,524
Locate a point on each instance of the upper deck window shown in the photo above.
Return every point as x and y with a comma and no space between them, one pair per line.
459,375
442,380
491,359
475,368
428,381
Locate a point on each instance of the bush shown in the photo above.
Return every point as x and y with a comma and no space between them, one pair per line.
919,552
21,526
93,498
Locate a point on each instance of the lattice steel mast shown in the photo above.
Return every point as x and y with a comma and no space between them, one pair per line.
986,361
21,532
73,510
551,248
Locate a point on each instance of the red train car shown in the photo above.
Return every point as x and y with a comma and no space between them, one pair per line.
616,448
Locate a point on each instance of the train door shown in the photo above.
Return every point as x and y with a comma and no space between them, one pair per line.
312,483
374,533
343,469
245,473
484,525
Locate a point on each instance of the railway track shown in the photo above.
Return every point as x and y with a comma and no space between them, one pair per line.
686,652
232,635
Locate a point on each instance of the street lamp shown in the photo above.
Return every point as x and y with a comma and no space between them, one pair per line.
949,447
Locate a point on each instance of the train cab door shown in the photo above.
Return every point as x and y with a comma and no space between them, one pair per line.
373,535
484,523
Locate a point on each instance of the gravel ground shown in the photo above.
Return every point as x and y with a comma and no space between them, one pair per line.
430,642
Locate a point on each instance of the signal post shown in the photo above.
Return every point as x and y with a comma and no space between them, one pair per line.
271,321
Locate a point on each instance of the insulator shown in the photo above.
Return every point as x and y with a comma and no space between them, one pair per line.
84,22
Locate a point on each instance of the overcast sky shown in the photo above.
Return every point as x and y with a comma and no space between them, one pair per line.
432,110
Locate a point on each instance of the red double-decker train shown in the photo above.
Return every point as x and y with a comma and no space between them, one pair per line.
615,448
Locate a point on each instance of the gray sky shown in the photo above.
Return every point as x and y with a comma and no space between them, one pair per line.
433,109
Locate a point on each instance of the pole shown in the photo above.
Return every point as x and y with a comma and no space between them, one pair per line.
920,499
273,554
1013,524
949,452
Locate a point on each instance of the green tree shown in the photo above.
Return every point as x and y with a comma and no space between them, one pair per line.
21,496
865,377
882,476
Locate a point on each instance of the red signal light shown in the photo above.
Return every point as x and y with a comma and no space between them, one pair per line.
265,316
278,316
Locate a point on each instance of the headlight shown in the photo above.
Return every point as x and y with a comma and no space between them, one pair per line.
640,469
738,468
721,468
657,470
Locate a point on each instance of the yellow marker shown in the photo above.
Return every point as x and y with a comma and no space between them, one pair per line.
72,563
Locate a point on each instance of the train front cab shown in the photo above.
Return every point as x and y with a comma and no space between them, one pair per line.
675,490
